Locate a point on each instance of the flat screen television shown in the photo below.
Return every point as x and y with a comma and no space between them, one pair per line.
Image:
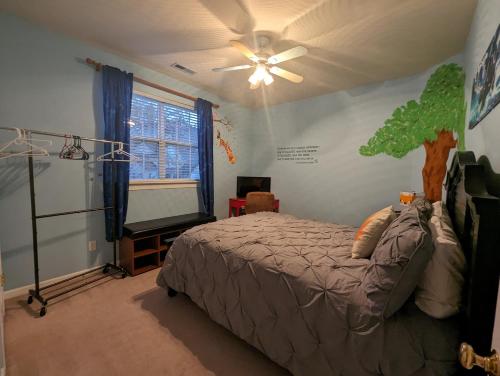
245,184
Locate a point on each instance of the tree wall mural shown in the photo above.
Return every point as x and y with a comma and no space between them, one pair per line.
433,122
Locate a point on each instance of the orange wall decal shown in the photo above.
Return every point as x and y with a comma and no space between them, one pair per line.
223,143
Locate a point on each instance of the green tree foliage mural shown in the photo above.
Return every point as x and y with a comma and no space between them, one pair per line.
432,122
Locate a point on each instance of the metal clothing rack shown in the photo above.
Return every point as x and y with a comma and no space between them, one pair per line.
48,292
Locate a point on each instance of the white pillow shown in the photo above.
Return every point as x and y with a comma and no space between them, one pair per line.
439,292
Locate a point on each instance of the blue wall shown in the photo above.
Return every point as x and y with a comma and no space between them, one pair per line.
45,86
344,187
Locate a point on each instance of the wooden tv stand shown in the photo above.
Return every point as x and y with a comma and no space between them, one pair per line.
145,244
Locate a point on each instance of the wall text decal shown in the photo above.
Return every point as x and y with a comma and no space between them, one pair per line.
306,154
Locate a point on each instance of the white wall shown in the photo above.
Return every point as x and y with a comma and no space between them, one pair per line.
344,187
45,86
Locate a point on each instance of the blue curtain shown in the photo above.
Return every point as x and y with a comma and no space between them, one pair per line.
206,154
117,102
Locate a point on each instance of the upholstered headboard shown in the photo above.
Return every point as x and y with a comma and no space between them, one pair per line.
473,201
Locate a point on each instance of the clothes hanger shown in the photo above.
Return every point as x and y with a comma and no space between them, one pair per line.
22,139
71,151
83,152
75,151
65,151
108,157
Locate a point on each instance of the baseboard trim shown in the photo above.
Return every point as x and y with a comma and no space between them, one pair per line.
24,290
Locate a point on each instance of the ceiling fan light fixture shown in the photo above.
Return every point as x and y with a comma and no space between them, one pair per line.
268,79
253,79
261,74
255,86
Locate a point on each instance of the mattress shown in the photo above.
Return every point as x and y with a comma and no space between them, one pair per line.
290,288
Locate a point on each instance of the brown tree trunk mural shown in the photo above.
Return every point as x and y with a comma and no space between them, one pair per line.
434,171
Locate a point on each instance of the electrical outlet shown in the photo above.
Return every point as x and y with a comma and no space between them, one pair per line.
92,245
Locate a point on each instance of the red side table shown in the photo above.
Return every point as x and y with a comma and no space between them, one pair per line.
238,203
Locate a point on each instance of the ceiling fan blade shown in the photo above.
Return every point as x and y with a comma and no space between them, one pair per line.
292,53
236,67
286,75
244,50
234,16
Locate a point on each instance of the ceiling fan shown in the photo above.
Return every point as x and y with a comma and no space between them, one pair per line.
265,65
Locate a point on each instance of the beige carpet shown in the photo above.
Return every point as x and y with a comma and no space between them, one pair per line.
125,327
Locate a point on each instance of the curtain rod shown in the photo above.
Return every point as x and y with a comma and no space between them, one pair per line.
98,67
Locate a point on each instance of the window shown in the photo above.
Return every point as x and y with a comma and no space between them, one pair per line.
164,137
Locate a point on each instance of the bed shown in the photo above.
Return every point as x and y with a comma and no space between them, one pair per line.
290,288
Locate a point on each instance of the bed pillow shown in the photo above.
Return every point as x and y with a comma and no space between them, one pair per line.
439,292
370,232
399,259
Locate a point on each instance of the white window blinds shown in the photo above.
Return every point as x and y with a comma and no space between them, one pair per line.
165,138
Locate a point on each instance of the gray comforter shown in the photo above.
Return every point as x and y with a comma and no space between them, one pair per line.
290,288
